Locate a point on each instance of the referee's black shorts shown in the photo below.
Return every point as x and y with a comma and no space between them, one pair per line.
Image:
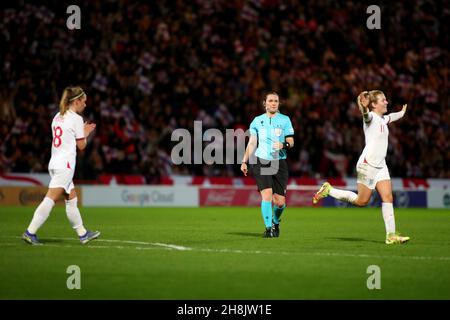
271,174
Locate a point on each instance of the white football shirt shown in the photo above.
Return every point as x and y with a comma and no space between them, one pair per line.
66,130
376,133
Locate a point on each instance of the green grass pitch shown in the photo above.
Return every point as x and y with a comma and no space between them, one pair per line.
218,253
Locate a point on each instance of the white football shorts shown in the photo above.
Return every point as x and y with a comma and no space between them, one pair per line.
369,176
61,178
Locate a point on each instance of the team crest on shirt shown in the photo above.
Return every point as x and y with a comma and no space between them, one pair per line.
278,131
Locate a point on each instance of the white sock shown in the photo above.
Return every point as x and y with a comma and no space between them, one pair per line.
74,216
41,215
343,195
388,215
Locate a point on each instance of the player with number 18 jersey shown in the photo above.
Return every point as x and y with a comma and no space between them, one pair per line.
69,132
67,129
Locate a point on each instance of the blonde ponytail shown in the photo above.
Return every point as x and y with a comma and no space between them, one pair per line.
69,95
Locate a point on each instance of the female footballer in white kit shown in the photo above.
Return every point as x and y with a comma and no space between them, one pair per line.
69,132
372,171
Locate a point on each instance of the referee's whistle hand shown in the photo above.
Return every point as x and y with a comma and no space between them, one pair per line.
277,145
244,169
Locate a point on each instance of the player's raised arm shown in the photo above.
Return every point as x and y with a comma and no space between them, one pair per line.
394,116
252,143
363,104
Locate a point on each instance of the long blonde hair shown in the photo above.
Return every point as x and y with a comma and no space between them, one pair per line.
69,95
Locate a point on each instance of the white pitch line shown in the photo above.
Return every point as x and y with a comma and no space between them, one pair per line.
182,248
327,254
165,245
10,244
350,255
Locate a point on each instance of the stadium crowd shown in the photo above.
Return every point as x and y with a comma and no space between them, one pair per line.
151,68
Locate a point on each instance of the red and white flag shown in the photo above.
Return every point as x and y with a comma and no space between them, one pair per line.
430,53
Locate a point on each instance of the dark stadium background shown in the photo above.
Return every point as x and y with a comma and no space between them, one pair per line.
149,68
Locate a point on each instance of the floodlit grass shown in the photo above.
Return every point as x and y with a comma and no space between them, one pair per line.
219,253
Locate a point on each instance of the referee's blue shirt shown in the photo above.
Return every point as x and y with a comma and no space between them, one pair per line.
268,131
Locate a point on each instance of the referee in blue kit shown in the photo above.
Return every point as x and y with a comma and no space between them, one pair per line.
271,134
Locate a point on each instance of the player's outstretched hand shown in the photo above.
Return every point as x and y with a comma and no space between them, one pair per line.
405,106
244,168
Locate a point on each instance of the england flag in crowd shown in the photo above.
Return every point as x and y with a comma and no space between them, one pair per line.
100,82
144,85
430,53
147,60
249,14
